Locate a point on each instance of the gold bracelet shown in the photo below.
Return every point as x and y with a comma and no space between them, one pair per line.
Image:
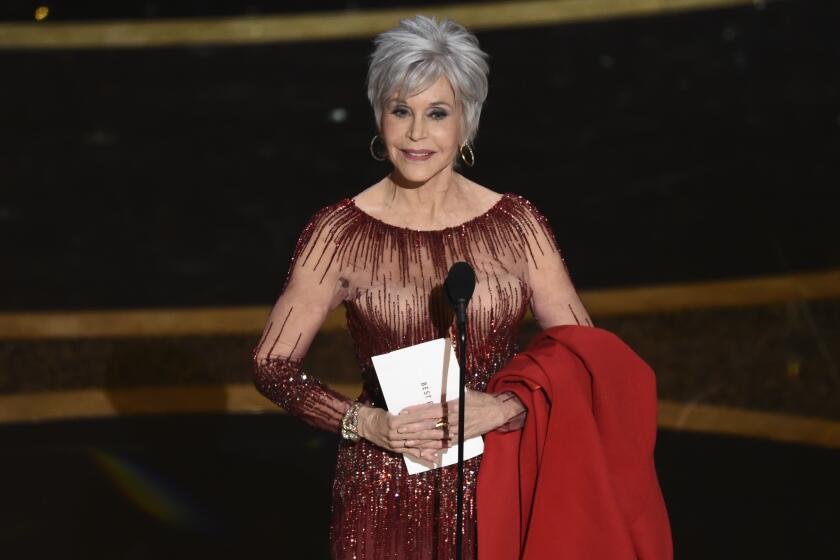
350,422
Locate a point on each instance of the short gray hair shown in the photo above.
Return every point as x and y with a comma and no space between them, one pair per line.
411,57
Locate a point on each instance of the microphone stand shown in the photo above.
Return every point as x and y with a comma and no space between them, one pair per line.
459,286
462,362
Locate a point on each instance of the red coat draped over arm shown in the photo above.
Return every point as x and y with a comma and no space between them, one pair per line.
578,481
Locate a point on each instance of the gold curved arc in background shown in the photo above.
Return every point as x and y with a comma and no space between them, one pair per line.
330,25
250,320
244,398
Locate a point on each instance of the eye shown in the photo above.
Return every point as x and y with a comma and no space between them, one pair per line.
438,114
399,111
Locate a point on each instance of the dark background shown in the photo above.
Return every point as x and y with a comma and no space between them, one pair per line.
688,147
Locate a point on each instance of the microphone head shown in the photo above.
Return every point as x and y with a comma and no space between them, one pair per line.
460,283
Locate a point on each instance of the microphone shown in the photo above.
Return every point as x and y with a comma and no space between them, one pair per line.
459,287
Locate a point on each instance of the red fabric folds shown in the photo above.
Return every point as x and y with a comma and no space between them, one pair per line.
578,481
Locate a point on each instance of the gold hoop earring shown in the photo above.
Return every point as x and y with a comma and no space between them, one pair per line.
373,151
469,162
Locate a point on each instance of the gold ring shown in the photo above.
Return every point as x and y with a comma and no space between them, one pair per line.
442,423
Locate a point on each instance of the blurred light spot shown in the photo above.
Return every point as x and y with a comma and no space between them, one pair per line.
793,369
146,490
607,61
267,151
338,115
729,33
101,138
759,4
41,13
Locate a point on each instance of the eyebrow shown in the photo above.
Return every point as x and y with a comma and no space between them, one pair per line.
433,103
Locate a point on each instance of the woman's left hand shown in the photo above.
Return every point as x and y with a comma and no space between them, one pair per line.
483,413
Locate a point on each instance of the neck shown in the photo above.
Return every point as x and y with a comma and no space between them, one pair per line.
424,198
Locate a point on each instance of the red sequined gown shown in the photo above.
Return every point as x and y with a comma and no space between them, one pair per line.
390,280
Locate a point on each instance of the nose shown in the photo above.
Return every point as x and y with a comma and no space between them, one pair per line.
416,131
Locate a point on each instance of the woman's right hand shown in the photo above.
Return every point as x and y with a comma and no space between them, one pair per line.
379,426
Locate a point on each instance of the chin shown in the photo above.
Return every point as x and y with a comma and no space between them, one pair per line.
417,173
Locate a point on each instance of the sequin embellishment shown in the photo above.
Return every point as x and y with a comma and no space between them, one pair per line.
390,279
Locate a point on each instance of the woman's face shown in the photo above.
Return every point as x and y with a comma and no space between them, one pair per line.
421,132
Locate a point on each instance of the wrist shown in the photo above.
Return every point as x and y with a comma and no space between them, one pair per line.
362,422
502,411
509,406
508,411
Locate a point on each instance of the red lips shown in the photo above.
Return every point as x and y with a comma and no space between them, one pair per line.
417,155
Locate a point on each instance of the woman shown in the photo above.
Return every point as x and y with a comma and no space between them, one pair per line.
384,254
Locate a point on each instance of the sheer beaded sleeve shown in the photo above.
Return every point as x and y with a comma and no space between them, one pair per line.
312,288
554,300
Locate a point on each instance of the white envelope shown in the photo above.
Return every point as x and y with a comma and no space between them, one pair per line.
423,373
